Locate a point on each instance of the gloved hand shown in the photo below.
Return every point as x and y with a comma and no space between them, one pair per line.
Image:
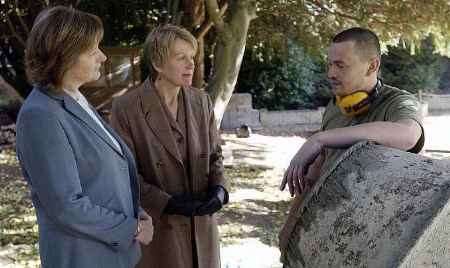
182,204
217,197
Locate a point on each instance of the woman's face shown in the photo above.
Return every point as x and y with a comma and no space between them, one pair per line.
87,67
178,69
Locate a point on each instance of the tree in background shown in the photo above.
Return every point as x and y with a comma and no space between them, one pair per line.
223,28
229,19
421,70
444,84
16,19
292,81
315,22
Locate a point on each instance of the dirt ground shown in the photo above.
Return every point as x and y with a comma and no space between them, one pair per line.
249,225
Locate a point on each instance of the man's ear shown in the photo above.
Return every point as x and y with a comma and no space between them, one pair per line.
374,65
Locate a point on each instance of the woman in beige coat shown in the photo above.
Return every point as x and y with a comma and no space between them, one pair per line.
171,129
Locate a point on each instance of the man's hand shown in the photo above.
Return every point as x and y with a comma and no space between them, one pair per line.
145,228
182,204
294,176
217,197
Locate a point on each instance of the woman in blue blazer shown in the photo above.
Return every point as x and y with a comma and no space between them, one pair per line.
82,176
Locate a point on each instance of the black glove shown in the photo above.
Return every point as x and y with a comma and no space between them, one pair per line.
182,204
217,197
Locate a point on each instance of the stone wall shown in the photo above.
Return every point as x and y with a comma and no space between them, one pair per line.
437,103
240,111
291,117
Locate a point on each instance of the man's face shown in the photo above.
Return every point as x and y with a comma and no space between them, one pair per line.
347,70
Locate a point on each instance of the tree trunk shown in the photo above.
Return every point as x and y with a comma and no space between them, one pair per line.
229,52
198,80
376,207
9,91
194,17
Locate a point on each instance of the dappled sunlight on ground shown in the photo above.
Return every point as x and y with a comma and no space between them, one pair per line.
437,133
17,218
249,224
257,209
260,151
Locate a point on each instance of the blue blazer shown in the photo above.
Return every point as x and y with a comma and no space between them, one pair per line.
85,191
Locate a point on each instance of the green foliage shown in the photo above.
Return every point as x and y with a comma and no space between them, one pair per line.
315,22
444,84
12,68
292,81
420,71
126,22
311,23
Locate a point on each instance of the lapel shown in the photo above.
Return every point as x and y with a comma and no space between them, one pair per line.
128,156
76,110
156,119
125,151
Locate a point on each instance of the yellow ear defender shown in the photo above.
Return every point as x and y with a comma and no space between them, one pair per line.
358,102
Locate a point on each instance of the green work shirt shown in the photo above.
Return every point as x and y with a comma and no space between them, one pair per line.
391,104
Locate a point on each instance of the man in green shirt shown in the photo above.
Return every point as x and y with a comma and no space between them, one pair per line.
363,109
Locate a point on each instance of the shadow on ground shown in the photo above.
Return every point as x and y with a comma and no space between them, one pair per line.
250,217
17,218
253,219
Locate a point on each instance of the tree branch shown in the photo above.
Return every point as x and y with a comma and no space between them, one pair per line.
174,16
9,90
14,32
318,4
203,30
213,11
19,16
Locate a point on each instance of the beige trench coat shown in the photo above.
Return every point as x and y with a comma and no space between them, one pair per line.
139,118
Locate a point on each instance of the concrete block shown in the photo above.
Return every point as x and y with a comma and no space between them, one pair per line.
437,103
240,101
375,207
235,119
292,117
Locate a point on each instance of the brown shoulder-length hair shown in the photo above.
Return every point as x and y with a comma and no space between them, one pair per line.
59,35
158,43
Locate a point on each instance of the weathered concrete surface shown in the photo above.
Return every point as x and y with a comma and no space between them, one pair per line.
377,207
240,112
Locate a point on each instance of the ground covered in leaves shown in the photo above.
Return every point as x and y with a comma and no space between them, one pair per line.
18,227
251,217
256,210
249,224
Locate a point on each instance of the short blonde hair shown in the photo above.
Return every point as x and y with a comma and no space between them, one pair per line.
58,37
158,43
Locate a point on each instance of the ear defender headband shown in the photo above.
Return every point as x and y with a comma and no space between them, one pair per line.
358,102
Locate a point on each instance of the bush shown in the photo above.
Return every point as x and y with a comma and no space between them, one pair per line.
277,82
421,71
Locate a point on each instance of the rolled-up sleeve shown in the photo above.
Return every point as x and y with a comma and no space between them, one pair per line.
406,106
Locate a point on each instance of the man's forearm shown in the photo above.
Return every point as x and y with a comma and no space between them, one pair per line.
402,134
